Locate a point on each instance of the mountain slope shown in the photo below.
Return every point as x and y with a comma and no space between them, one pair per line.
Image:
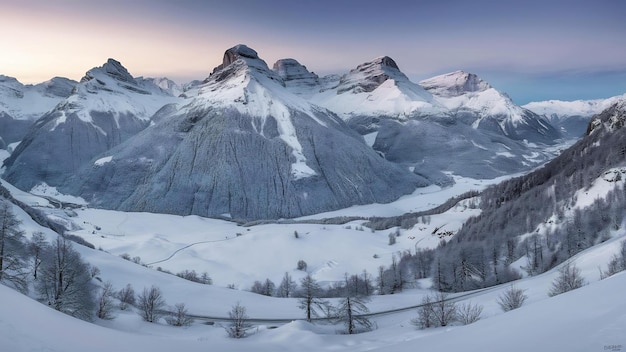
474,101
21,105
104,109
545,217
374,90
480,134
247,147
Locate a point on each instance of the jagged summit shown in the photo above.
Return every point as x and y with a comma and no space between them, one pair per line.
373,89
370,75
296,76
241,60
239,51
111,68
455,84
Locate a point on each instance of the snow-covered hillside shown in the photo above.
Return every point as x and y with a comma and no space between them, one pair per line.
580,322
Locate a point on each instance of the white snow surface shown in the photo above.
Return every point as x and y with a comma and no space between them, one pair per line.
24,102
607,182
587,319
590,318
560,108
396,97
450,91
45,190
103,160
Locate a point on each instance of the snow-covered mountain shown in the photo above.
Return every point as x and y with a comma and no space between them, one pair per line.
455,122
21,105
296,77
373,91
104,109
159,85
481,132
571,117
244,146
476,102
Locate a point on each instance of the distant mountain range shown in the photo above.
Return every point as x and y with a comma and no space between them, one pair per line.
253,142
571,117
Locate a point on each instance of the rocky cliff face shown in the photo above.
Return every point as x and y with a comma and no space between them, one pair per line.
296,77
611,119
247,147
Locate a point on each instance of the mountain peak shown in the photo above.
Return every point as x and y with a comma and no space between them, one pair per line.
237,51
386,61
240,51
295,75
241,61
111,68
370,75
454,84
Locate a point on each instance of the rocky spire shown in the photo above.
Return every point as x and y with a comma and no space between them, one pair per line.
112,68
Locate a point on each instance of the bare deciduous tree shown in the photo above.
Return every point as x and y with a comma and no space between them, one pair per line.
434,311
617,263
12,267
512,298
65,281
468,313
151,303
569,279
239,324
36,248
105,302
444,310
424,317
179,316
126,296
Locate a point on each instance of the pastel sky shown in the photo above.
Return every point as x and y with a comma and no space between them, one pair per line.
533,50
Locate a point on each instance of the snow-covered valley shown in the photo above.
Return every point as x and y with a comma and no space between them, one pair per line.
590,318
235,191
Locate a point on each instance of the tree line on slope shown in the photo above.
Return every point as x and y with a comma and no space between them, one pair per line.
482,251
